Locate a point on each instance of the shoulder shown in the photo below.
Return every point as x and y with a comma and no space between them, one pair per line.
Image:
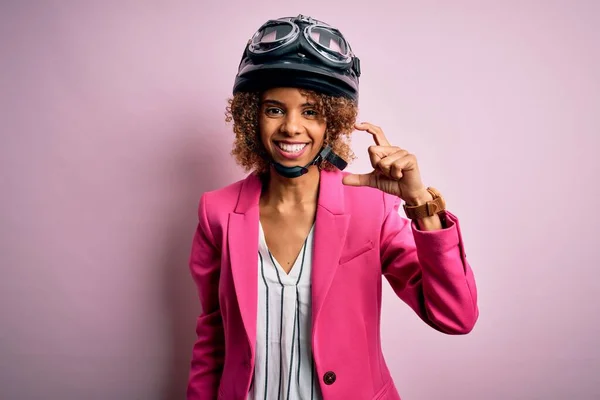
221,201
369,200
230,191
367,210
215,206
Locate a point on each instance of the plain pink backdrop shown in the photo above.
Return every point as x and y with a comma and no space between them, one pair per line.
112,125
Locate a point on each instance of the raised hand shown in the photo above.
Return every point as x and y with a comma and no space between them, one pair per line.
395,170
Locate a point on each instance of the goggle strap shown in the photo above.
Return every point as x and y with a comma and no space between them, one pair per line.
356,65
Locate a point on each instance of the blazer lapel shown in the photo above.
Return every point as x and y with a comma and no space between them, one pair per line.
242,238
331,226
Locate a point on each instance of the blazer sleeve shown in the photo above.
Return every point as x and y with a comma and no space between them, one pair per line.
209,349
429,271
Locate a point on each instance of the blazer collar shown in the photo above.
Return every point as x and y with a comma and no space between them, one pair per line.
331,193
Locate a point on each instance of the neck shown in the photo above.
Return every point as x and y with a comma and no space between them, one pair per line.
283,193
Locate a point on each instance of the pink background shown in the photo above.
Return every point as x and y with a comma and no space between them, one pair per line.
112,124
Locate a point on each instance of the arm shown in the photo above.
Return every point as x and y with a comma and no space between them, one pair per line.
428,270
209,349
428,223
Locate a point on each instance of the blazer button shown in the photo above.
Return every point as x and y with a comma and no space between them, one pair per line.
329,377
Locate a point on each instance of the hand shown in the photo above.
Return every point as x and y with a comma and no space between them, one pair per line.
395,170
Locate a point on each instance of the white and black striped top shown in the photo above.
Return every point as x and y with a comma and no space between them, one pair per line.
284,367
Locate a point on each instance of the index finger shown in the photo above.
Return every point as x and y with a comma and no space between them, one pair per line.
375,131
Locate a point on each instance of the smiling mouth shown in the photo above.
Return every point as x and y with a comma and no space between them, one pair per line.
291,148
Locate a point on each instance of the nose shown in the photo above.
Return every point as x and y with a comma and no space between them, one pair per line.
292,124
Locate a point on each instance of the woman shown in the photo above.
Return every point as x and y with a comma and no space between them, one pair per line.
288,261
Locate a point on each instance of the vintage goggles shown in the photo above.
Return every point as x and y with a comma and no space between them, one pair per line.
282,36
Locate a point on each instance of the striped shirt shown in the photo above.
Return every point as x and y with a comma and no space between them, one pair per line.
284,367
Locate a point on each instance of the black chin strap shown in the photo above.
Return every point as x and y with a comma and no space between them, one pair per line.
325,154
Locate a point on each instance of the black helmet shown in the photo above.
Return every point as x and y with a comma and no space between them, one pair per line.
299,52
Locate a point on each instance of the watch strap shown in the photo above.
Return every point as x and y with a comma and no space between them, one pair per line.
429,209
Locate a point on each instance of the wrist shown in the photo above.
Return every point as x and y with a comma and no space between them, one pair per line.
419,198
424,205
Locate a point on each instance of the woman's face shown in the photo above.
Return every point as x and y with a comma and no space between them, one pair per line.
291,130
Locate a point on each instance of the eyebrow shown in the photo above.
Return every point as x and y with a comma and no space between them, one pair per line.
279,103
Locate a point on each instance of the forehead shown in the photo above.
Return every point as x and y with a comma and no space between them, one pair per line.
286,95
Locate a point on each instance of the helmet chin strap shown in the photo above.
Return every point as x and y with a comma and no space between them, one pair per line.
326,153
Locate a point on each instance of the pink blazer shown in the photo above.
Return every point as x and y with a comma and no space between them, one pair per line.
359,236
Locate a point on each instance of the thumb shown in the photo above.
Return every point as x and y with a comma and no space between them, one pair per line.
359,180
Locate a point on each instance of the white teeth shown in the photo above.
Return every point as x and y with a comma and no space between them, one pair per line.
291,148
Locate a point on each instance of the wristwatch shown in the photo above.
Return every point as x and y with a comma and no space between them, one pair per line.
429,209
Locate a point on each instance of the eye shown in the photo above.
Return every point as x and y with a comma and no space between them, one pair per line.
273,111
311,113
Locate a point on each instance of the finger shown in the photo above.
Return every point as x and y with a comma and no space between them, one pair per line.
385,163
360,180
400,166
375,131
377,153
